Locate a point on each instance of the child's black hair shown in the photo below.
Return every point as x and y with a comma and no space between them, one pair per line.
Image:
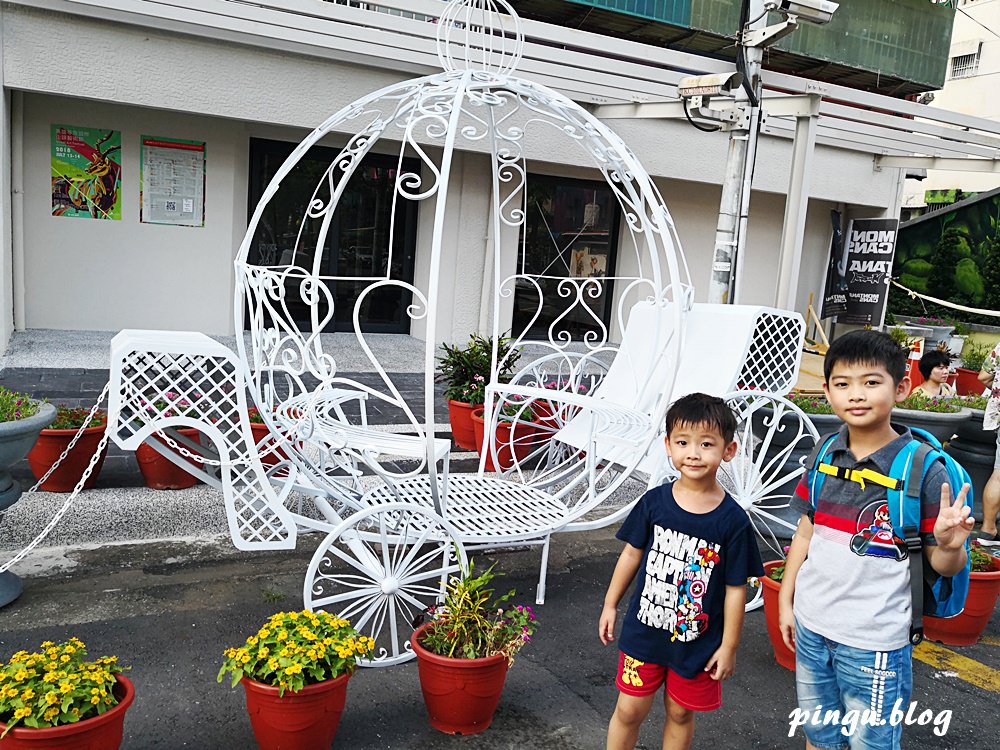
931,360
869,348
700,408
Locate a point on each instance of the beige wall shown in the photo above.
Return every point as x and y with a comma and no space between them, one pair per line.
87,274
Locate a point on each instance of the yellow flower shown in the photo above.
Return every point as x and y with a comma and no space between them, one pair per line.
95,700
252,641
47,644
75,711
21,675
263,652
28,694
65,687
50,677
263,633
282,635
64,658
52,697
51,713
22,712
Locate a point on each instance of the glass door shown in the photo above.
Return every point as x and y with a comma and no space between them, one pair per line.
358,244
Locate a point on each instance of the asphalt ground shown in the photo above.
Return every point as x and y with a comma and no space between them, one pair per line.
169,609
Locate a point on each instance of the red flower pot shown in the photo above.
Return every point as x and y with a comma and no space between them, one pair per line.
460,416
102,732
461,695
524,441
782,654
967,383
159,472
51,444
273,455
306,720
964,629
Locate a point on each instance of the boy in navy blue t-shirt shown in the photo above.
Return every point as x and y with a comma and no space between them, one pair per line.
693,547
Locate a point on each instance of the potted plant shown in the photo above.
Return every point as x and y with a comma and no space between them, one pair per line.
56,438
272,453
158,471
466,371
973,357
514,436
52,698
940,416
774,570
294,671
965,628
21,420
464,651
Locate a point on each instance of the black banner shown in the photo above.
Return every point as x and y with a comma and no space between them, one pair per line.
835,294
870,246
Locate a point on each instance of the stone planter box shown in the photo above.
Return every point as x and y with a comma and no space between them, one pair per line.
941,426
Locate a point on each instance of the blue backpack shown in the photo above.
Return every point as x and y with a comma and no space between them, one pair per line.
933,594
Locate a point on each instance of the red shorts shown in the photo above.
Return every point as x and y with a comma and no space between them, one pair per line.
642,679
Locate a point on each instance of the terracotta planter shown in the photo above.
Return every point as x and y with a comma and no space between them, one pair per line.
523,442
102,732
273,455
51,444
306,720
461,695
159,472
964,629
782,654
460,416
967,383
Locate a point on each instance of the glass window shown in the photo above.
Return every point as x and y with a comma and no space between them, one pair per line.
359,243
570,233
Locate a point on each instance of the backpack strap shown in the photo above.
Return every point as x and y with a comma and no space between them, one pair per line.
815,478
911,493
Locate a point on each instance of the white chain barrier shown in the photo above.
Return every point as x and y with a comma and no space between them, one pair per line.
76,490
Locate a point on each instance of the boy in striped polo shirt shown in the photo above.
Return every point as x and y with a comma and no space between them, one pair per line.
846,609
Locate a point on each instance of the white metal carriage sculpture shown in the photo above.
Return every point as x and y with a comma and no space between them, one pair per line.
603,389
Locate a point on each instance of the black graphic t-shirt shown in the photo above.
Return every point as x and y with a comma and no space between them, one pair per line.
675,616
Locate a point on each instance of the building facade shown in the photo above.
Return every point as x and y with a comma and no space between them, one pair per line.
192,104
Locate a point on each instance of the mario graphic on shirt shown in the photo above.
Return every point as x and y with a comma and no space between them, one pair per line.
875,536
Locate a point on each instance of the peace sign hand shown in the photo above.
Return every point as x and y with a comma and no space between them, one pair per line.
954,522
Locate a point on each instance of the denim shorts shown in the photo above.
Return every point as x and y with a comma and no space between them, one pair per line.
849,693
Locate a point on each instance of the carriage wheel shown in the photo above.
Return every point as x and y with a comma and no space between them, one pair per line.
380,569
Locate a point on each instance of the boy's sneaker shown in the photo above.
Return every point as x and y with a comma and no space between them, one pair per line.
988,540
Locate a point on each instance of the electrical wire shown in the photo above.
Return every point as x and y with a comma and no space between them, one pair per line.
700,127
741,51
976,20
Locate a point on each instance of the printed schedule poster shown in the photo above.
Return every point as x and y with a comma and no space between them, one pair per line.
173,182
86,172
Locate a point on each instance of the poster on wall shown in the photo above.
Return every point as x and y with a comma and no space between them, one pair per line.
835,289
172,177
870,246
86,172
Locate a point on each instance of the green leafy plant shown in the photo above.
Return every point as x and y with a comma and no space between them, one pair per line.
15,406
982,561
811,404
74,417
973,402
54,686
961,329
933,404
255,416
473,624
974,355
899,336
295,649
777,572
514,409
466,370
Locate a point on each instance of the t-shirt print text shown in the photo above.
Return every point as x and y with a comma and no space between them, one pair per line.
678,569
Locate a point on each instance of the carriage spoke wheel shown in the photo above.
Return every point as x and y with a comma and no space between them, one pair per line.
380,569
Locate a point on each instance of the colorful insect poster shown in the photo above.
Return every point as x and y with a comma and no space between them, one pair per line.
86,172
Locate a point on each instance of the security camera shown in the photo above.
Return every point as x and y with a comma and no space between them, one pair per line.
709,85
813,11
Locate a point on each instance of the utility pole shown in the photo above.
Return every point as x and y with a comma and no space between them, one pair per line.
730,232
